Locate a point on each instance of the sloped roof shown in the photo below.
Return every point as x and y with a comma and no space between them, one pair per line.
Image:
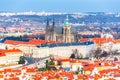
116,41
13,42
12,50
101,40
4,52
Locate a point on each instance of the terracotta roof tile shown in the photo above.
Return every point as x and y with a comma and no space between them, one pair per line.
13,42
12,50
30,70
101,40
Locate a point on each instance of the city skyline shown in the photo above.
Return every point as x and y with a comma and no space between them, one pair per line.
60,5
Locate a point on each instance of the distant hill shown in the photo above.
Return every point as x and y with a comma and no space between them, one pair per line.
7,19
74,18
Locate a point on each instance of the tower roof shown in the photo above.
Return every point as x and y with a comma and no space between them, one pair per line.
53,25
66,23
47,24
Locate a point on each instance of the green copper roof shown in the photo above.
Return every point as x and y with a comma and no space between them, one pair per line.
66,23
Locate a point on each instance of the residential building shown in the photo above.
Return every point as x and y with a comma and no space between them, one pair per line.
10,56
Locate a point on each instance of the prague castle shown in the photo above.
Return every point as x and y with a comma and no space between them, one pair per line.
65,36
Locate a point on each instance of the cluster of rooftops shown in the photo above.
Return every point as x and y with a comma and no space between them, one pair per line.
40,43
108,70
66,44
48,43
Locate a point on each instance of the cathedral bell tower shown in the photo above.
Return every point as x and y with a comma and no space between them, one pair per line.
53,31
66,31
47,31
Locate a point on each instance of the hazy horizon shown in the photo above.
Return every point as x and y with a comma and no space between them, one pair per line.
53,12
60,6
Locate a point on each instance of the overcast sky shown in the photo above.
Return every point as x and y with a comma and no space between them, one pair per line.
60,5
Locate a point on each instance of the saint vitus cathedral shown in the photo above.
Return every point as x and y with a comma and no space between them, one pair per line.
66,36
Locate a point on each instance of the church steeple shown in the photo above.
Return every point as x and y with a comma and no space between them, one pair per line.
66,23
53,25
53,36
66,31
47,26
47,31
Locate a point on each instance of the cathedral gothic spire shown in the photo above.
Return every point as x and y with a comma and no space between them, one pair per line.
53,30
47,31
53,25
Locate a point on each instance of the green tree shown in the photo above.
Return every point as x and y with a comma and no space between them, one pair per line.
51,63
47,63
42,69
21,60
72,55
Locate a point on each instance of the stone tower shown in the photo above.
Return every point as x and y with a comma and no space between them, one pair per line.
53,31
47,31
66,31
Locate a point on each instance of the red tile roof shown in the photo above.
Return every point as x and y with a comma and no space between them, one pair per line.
32,42
117,75
116,41
16,71
83,40
35,42
30,70
88,68
4,52
13,42
7,70
101,40
12,50
1,76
